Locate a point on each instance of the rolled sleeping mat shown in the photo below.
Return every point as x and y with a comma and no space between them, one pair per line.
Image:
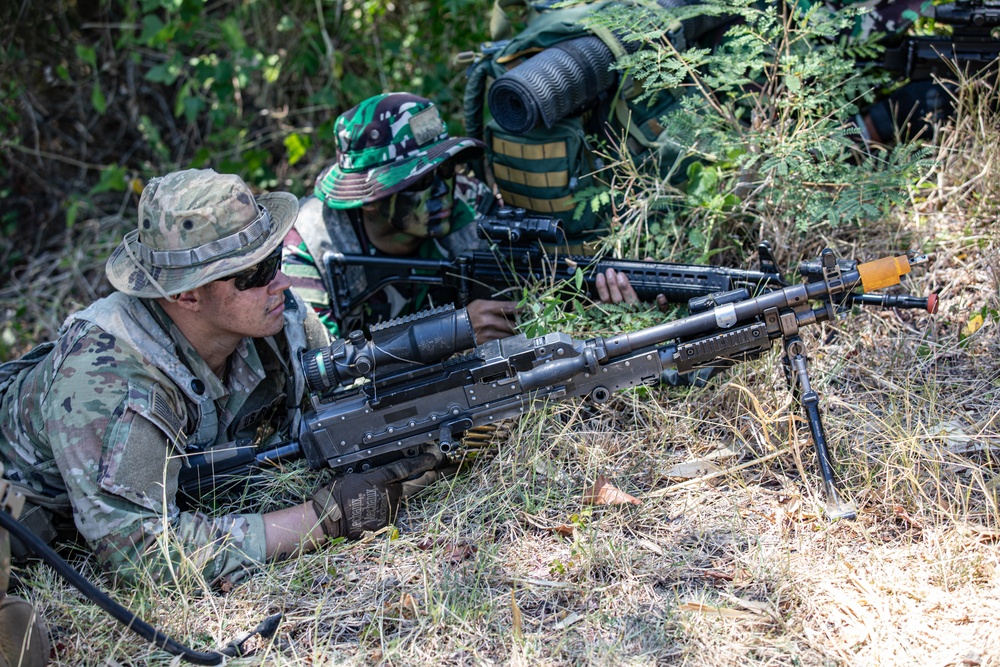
547,87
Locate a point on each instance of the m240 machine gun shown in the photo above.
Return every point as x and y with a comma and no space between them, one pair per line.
403,391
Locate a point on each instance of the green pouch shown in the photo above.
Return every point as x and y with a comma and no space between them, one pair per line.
542,170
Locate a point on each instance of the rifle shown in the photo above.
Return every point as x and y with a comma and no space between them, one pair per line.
973,45
401,391
518,256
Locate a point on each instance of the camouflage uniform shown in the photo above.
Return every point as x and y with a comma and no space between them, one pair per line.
98,427
385,144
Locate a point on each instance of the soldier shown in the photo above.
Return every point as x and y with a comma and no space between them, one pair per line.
197,349
397,188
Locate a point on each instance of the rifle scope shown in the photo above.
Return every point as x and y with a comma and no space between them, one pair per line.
395,346
514,226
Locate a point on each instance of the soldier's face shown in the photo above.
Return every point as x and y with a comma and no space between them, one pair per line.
253,313
423,210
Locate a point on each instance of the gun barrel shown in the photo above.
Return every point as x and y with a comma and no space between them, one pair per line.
928,303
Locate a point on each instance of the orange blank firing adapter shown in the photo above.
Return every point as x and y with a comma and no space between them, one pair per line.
883,272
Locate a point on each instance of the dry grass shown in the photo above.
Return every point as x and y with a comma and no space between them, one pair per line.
505,564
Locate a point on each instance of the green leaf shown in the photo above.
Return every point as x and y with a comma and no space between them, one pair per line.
232,33
296,146
97,99
166,73
113,179
87,54
152,27
72,211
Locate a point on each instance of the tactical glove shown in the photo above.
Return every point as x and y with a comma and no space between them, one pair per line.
356,502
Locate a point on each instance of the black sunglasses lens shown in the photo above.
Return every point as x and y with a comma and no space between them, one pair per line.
261,274
424,182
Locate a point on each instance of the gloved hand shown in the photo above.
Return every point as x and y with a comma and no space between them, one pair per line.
356,502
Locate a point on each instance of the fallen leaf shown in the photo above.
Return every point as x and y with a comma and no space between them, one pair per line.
453,553
564,529
692,469
750,605
568,621
954,438
974,324
515,614
405,609
902,514
651,546
712,610
456,553
721,454
603,493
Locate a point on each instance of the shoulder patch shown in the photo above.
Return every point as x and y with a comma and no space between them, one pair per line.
160,412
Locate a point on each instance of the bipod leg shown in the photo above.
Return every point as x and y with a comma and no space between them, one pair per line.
796,363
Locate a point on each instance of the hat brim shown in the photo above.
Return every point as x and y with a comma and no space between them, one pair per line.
342,189
127,277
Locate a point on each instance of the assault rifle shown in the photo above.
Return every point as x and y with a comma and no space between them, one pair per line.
402,391
973,45
518,256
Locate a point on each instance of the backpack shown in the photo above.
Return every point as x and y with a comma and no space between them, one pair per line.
547,157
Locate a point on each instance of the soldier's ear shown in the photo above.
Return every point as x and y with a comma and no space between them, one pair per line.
190,300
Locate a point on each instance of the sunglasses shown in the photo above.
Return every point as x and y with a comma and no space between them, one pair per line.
259,274
445,171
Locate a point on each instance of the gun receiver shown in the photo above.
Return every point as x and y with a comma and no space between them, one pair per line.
371,414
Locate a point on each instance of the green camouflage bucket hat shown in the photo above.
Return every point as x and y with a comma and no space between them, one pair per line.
196,226
384,144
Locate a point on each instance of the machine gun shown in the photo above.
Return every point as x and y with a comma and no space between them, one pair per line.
402,391
973,45
519,256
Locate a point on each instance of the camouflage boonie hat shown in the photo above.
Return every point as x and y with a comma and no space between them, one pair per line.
384,144
196,226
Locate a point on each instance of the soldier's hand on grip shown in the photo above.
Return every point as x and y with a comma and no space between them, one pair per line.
356,502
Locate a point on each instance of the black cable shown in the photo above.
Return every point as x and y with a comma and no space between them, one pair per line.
120,613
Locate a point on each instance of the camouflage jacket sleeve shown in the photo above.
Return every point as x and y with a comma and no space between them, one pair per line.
299,265
114,424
